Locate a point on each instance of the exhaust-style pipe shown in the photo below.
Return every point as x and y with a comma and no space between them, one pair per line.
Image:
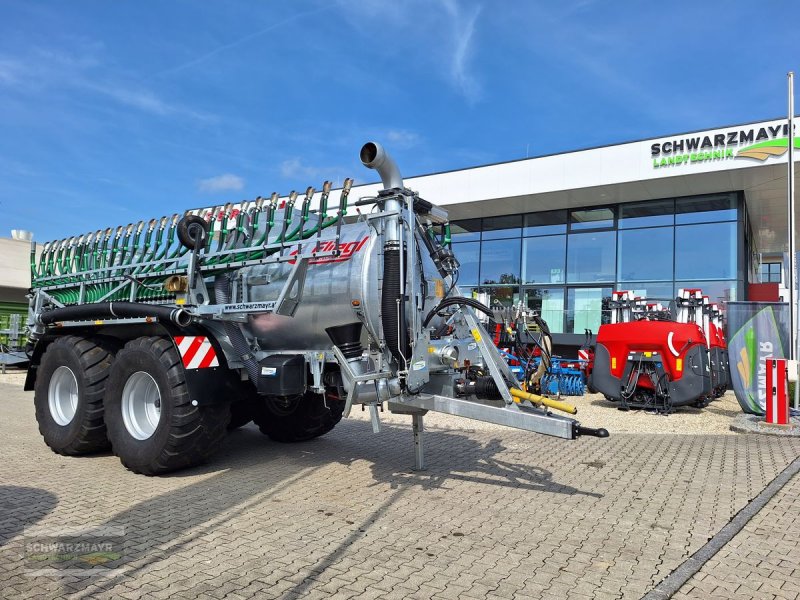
393,295
373,156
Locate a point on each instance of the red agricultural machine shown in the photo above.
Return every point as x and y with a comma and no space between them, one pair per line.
660,358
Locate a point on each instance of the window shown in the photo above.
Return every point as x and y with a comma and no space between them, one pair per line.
545,223
661,292
645,254
502,227
587,309
771,272
591,257
500,261
468,254
466,230
706,209
591,218
543,259
706,251
717,291
501,296
564,263
549,303
647,214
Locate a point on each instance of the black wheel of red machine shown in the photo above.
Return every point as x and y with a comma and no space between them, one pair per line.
152,425
68,395
298,419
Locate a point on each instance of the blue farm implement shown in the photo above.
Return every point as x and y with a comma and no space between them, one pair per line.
564,377
527,353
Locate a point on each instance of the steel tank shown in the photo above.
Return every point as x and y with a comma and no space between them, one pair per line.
338,291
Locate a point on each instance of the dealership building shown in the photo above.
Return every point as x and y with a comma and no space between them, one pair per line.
703,209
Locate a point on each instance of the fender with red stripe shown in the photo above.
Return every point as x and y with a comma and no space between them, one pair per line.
205,368
207,374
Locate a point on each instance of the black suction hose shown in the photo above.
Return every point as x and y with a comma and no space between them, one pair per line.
121,310
471,302
222,295
393,307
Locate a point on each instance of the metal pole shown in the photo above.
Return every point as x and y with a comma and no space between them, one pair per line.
418,427
792,250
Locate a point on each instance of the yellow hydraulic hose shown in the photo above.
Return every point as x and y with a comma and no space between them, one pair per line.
549,402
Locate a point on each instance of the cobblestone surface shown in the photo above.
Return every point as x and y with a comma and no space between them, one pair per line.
762,561
499,514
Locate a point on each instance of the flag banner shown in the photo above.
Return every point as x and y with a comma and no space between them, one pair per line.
758,330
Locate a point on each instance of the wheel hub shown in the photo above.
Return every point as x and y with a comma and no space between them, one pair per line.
141,405
62,396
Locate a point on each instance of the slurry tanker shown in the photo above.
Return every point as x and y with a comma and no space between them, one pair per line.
155,338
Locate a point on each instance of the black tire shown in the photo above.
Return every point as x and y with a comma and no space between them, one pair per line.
192,231
310,418
90,362
241,414
184,435
589,387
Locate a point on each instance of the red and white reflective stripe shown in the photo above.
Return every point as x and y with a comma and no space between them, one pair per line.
196,352
583,354
777,403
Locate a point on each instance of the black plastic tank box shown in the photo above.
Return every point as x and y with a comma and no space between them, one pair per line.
282,375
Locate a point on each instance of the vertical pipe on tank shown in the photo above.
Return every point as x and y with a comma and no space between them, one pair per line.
393,320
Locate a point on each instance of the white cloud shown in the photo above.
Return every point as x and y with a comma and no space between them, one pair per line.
463,31
142,99
445,29
9,70
45,69
294,168
402,138
227,182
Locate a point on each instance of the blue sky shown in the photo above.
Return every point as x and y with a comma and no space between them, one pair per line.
112,112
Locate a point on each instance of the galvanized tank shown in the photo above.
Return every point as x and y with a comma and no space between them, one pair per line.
336,290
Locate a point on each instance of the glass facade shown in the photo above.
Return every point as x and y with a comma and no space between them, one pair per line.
564,263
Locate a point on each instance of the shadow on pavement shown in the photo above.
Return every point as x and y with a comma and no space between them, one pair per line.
21,507
251,470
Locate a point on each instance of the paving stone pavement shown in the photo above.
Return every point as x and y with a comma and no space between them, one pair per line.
762,561
498,514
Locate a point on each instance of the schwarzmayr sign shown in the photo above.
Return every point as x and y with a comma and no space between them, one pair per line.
757,143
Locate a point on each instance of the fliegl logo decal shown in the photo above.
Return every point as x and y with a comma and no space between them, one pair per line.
757,144
346,251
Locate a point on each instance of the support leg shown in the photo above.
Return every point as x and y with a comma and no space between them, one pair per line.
419,452
376,421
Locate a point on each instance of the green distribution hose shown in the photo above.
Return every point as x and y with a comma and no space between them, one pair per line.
142,252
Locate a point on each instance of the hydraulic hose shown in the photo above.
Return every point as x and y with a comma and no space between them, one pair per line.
393,317
122,310
471,302
222,295
542,400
